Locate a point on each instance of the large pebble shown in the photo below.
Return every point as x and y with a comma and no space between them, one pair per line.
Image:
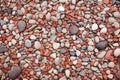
73,30
61,8
21,26
102,54
102,45
117,52
94,26
3,48
116,14
14,72
67,73
37,45
56,45
28,43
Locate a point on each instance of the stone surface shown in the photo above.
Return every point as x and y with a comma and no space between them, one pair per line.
3,48
67,73
73,30
21,26
103,30
14,72
117,52
111,19
33,37
32,21
111,64
102,45
61,8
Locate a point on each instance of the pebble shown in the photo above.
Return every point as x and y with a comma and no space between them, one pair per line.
110,76
62,50
61,8
94,26
101,54
67,73
21,26
59,29
117,14
32,37
28,43
44,4
64,30
94,68
90,48
11,27
117,52
63,78
74,2
118,74
53,37
85,59
108,71
57,61
37,44
102,45
56,45
2,22
111,64
72,53
32,21
13,41
53,55
111,20
83,72
103,30
87,16
14,72
3,48
18,55
116,24
48,16
73,30
53,18
67,44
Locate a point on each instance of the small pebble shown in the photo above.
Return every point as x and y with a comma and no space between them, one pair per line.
116,52
111,64
28,43
94,26
32,21
103,30
110,76
37,44
61,8
101,54
73,30
56,45
3,48
21,26
67,73
102,45
117,14
33,37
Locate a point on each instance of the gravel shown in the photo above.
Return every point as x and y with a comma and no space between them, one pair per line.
56,45
28,43
3,48
67,73
73,30
116,52
101,54
94,26
102,45
37,45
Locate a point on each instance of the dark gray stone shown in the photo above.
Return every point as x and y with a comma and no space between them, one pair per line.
72,53
3,48
21,26
14,72
62,50
102,45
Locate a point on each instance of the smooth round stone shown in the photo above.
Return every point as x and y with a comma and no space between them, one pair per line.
111,64
33,37
44,4
62,50
87,16
53,55
102,45
14,72
56,45
72,53
108,71
37,45
73,30
61,8
67,44
74,2
103,30
28,43
32,21
53,18
13,41
94,26
59,29
11,26
116,14
110,76
21,26
67,73
48,16
117,52
90,48
116,24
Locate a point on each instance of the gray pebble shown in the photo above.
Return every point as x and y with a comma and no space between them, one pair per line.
102,45
83,72
85,59
73,30
21,26
59,29
44,4
28,43
72,53
3,48
53,37
62,50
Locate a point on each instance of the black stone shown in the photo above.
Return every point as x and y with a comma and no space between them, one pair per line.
102,45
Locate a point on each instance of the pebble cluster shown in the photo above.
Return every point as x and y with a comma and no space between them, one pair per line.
60,39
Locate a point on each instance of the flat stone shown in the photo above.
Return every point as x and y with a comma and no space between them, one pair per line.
2,22
102,45
101,54
85,59
67,73
94,26
53,18
59,29
21,26
32,21
73,30
57,61
117,52
53,37
14,72
56,45
3,48
63,78
83,72
28,43
53,55
116,24
37,45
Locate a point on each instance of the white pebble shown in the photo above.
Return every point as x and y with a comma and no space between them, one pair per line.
110,76
67,73
31,21
37,44
103,30
94,26
116,52
111,64
18,55
56,45
61,8
13,41
53,55
33,37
